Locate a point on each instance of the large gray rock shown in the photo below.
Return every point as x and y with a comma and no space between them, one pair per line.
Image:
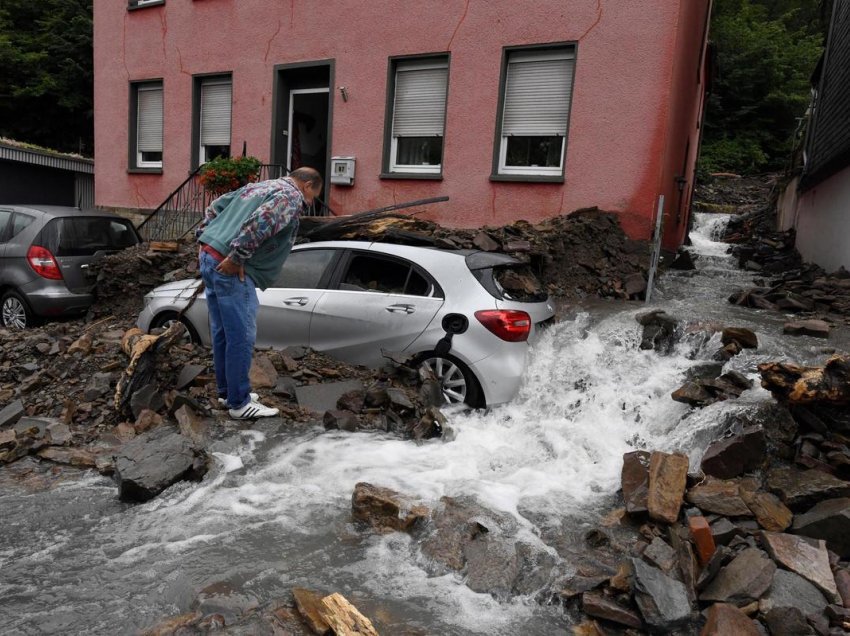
829,520
744,580
323,397
635,481
384,509
720,497
792,590
801,488
806,557
662,600
155,460
11,413
733,456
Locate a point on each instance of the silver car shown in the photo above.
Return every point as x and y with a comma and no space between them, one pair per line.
358,301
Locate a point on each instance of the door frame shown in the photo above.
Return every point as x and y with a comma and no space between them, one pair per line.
292,93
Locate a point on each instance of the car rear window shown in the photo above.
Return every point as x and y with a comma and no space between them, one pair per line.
506,278
85,235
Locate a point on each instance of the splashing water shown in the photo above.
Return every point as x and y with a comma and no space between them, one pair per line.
275,511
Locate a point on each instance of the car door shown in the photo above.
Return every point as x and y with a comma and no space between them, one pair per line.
5,224
377,304
283,317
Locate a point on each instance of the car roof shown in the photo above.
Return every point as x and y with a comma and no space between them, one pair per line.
58,211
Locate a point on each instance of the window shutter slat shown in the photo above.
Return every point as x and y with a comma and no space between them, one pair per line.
150,119
215,113
537,95
420,102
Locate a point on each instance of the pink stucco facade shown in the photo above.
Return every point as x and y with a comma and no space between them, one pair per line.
633,125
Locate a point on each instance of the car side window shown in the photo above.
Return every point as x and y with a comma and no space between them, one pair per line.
5,218
20,223
384,275
304,269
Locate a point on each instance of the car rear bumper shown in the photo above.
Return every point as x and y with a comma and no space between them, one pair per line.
500,374
52,298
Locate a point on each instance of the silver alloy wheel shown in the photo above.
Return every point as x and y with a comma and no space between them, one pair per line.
186,338
14,313
452,381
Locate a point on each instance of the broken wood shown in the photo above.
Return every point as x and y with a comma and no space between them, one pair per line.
164,246
309,606
805,385
337,227
344,619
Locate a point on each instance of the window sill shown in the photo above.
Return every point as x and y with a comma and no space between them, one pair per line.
528,178
133,6
144,170
422,176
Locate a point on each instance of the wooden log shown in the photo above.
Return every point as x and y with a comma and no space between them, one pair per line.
344,619
164,246
309,606
796,384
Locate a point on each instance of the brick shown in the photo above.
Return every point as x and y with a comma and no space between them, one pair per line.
703,539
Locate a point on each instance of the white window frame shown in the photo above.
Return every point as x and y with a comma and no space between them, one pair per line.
211,82
153,86
528,55
406,66
289,132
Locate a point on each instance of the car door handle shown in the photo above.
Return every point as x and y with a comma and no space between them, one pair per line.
401,308
298,300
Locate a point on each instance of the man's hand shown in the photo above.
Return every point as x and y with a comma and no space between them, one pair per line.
230,268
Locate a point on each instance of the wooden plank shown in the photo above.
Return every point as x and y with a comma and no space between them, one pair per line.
344,619
164,246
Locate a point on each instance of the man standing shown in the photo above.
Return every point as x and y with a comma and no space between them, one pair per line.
245,238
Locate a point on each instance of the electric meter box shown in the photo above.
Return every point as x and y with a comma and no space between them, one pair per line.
342,170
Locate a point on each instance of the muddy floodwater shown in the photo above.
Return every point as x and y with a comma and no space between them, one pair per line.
274,512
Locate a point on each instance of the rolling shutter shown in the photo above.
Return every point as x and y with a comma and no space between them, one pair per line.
420,100
150,119
538,91
215,113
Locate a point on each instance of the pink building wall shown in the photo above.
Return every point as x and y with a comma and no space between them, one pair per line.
635,101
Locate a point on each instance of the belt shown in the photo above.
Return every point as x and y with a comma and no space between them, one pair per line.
213,252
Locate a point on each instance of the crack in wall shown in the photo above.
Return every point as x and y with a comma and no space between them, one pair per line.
460,22
595,22
124,47
163,22
271,39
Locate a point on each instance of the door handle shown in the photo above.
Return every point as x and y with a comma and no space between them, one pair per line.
298,300
401,308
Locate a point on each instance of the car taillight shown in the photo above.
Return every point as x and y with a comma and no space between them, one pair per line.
510,325
42,261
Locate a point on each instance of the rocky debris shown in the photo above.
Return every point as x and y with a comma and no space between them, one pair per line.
662,600
225,601
11,413
155,460
702,391
744,580
600,606
744,338
801,488
814,328
635,481
684,260
804,385
769,511
660,331
733,194
720,497
830,521
340,420
790,590
343,618
723,619
667,477
805,557
733,456
309,605
385,509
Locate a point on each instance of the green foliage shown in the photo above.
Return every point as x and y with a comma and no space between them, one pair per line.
766,53
46,88
224,174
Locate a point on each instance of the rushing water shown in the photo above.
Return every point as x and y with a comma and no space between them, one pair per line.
274,513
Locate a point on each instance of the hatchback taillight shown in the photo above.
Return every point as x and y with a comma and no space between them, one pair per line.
42,261
510,325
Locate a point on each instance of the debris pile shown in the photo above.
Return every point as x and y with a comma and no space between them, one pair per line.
733,194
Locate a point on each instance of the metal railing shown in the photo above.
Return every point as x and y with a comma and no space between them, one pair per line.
184,208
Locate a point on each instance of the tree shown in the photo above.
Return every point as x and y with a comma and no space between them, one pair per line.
766,52
46,86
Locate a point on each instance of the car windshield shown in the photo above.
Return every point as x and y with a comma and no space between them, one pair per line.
85,235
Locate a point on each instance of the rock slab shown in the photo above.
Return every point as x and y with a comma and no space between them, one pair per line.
744,580
733,456
723,619
662,600
806,557
668,474
829,520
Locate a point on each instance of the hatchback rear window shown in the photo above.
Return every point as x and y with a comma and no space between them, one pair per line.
85,235
506,278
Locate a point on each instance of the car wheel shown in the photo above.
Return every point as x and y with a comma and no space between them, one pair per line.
167,318
14,311
457,382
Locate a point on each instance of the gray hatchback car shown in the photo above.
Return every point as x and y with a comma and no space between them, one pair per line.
45,253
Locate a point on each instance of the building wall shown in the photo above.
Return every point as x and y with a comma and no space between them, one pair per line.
823,222
626,124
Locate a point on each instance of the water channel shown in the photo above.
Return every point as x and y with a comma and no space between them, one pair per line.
275,511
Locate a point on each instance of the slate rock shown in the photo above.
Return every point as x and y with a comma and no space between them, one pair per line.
668,474
263,374
801,488
788,621
324,397
286,387
11,413
600,606
723,530
385,509
770,512
148,397
78,457
723,619
684,261
792,590
692,394
58,433
660,554
99,385
485,242
829,520
733,456
720,497
635,481
7,439
155,460
187,374
740,335
662,600
744,580
399,399
814,328
335,419
806,557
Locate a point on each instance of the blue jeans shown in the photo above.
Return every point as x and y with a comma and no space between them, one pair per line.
232,306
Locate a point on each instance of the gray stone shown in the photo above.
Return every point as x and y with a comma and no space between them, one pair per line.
148,397
7,439
692,394
723,530
660,554
398,398
662,600
792,590
295,352
744,580
286,387
727,620
98,386
635,481
155,460
801,488
814,328
485,242
634,284
829,520
340,420
599,606
719,496
385,509
323,397
787,621
806,557
744,337
733,456
684,261
58,433
187,374
11,413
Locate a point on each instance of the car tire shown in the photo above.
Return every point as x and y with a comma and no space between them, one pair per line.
165,319
15,313
457,382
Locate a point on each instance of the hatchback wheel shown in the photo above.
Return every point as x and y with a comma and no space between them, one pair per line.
457,383
168,318
14,312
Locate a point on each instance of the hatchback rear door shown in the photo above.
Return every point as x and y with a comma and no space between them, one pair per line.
378,304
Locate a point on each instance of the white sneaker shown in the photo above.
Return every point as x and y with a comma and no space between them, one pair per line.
253,396
252,410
